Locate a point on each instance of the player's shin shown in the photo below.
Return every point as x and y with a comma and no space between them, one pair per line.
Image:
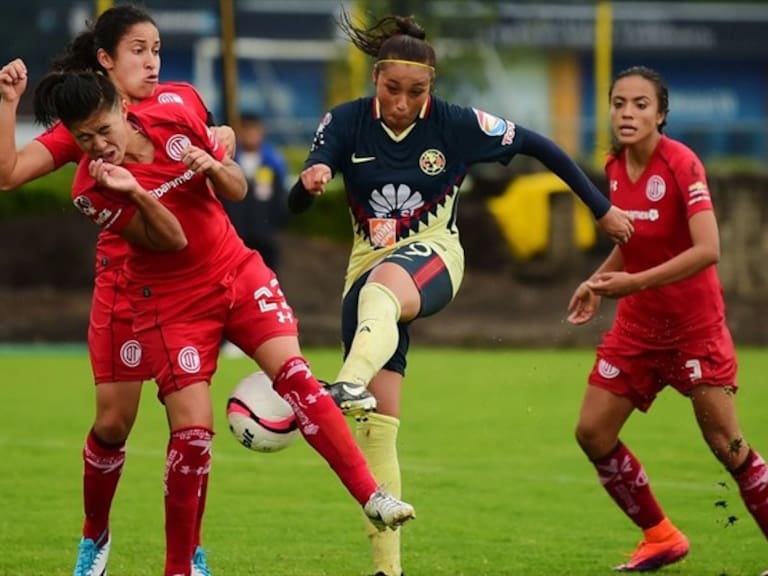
324,427
188,461
375,341
752,478
377,438
102,466
624,478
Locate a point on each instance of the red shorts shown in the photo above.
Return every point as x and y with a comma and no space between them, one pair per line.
247,308
114,350
628,369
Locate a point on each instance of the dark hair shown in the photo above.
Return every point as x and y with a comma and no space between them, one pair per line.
72,97
662,93
392,37
105,33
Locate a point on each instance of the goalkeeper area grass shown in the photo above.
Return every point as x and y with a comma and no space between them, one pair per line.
488,460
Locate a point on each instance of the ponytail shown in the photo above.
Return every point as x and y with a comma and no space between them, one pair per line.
72,97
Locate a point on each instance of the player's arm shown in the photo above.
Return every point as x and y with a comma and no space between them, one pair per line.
585,302
704,252
152,226
615,222
226,175
311,183
325,156
34,159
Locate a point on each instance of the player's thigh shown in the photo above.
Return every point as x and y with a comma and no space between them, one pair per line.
115,352
426,280
257,308
709,360
183,351
397,363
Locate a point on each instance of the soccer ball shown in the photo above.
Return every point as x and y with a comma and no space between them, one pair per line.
258,418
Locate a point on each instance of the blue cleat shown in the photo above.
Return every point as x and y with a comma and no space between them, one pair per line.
92,556
200,563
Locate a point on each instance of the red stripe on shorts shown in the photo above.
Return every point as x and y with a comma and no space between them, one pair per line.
429,271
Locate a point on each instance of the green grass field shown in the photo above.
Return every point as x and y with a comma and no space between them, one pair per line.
488,460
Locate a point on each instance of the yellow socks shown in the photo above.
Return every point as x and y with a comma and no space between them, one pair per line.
378,311
377,438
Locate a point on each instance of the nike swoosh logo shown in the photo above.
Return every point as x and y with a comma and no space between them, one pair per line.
361,159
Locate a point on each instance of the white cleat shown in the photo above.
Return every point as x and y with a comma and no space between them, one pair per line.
386,511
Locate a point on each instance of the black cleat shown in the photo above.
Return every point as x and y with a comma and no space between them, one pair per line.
352,399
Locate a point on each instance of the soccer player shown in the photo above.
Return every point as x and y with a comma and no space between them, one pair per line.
670,323
190,281
404,155
124,44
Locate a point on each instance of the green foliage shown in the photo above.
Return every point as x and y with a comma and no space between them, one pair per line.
52,193
328,217
488,459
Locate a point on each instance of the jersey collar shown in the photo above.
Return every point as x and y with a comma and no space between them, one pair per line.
423,113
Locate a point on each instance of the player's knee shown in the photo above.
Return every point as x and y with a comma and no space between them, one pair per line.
730,450
113,427
592,440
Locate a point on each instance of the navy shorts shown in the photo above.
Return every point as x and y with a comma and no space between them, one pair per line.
433,281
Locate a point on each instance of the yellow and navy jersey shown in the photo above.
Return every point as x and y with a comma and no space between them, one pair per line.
403,188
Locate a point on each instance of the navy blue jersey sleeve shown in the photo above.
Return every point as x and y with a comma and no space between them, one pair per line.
553,157
483,137
331,138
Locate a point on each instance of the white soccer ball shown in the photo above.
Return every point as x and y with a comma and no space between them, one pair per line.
258,417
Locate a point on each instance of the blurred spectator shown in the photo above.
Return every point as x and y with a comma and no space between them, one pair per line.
258,218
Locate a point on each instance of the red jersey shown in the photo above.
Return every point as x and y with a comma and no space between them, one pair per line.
110,248
672,188
213,248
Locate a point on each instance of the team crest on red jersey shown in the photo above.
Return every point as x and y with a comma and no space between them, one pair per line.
656,188
170,98
176,145
432,162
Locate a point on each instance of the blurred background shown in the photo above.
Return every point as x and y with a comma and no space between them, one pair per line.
544,65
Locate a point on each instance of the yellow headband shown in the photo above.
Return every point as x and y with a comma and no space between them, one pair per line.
398,61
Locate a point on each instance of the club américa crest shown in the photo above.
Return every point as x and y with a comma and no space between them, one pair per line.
432,162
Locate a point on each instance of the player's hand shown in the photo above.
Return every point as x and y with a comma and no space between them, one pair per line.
226,137
583,305
13,80
315,178
199,160
617,224
613,284
112,176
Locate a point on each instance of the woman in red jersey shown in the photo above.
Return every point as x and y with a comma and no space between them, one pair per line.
670,323
191,282
124,44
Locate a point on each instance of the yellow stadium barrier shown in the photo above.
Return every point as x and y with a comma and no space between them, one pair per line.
523,215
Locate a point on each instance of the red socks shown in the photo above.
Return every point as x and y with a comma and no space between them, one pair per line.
623,477
102,466
323,426
752,478
188,462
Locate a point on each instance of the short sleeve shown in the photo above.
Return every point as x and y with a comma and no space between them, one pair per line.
691,178
107,209
59,142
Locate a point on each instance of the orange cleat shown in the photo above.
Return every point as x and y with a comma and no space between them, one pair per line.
652,555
